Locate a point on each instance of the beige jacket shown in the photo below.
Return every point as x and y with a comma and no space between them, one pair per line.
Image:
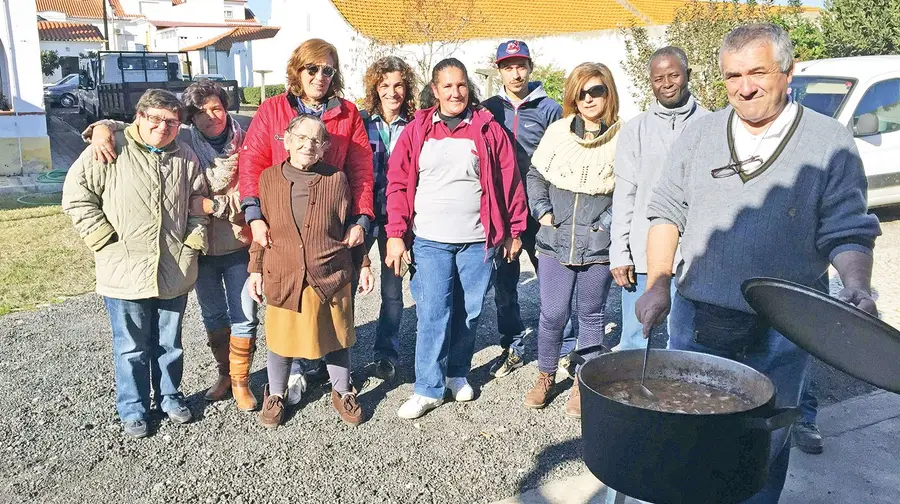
227,231
134,215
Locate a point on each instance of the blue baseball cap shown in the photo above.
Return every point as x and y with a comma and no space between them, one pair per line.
512,49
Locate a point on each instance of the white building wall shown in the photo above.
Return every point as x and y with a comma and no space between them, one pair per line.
320,19
67,49
24,145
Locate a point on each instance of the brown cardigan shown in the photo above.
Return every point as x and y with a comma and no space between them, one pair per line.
318,257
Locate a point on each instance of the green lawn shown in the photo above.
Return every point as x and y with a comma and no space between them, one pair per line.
42,259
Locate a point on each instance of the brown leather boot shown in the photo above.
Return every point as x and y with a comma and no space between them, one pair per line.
573,405
217,341
538,396
241,356
272,412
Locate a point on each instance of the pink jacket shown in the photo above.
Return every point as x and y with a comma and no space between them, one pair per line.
504,209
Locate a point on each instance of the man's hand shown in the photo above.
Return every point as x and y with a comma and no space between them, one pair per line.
624,276
859,298
394,250
546,219
366,281
511,249
255,286
653,307
356,235
260,231
103,144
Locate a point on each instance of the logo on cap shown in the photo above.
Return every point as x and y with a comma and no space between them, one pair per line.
512,47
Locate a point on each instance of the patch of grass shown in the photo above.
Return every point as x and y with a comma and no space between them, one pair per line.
42,258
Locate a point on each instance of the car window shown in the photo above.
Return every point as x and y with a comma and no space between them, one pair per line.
883,100
825,95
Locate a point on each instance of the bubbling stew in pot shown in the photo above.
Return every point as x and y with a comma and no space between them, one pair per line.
675,396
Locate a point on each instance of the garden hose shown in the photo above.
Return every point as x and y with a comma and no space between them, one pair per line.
51,177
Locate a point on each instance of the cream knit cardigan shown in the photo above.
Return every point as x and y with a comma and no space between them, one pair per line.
574,164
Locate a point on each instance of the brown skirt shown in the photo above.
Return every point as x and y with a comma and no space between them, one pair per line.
316,330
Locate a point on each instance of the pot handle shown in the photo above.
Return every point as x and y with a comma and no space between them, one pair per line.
577,356
774,419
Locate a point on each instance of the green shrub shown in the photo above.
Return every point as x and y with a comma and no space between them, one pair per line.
250,95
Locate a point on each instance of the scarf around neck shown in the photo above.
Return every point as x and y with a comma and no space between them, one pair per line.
218,167
576,164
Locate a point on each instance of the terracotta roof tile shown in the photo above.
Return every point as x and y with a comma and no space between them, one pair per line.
488,18
224,41
58,31
90,9
662,12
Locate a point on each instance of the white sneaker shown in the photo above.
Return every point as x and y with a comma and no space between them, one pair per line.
296,388
460,389
417,406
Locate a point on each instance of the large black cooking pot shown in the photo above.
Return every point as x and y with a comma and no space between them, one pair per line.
672,458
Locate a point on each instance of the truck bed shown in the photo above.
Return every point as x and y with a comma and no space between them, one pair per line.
118,101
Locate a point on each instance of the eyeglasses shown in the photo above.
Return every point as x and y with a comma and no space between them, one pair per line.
313,142
155,119
313,69
734,168
597,91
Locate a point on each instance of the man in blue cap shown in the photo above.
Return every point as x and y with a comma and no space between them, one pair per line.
525,111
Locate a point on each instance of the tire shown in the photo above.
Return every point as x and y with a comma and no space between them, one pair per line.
67,101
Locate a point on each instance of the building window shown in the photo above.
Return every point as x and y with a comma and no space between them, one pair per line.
212,60
229,14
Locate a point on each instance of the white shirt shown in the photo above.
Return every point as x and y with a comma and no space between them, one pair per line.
747,145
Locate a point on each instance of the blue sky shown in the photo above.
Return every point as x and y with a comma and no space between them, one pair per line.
261,7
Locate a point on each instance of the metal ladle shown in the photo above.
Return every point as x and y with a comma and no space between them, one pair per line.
644,390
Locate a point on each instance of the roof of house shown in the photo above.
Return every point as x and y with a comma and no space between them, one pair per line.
60,31
662,12
446,19
88,9
224,41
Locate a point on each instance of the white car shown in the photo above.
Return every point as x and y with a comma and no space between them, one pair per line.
862,92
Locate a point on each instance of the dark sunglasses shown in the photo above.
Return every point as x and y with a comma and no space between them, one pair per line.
597,91
313,69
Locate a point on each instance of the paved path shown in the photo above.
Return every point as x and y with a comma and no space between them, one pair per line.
859,464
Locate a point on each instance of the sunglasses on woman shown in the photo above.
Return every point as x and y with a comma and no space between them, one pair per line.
597,91
313,69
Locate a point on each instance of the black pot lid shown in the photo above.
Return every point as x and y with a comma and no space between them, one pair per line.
836,332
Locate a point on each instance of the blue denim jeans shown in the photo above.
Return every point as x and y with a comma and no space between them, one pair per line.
783,362
509,317
223,296
809,405
147,334
632,330
449,286
387,332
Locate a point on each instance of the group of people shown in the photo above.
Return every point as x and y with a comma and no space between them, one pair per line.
678,206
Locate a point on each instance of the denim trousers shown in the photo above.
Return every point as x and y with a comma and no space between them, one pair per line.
506,299
147,334
387,332
783,362
223,295
558,284
449,286
632,330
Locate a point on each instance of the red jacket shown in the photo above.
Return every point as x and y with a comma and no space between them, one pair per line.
504,209
350,150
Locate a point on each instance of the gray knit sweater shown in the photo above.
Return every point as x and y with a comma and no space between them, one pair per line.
805,205
644,144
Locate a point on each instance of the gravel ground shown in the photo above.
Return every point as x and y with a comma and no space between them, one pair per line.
62,442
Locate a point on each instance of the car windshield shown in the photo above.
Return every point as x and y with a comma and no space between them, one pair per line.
825,95
65,80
